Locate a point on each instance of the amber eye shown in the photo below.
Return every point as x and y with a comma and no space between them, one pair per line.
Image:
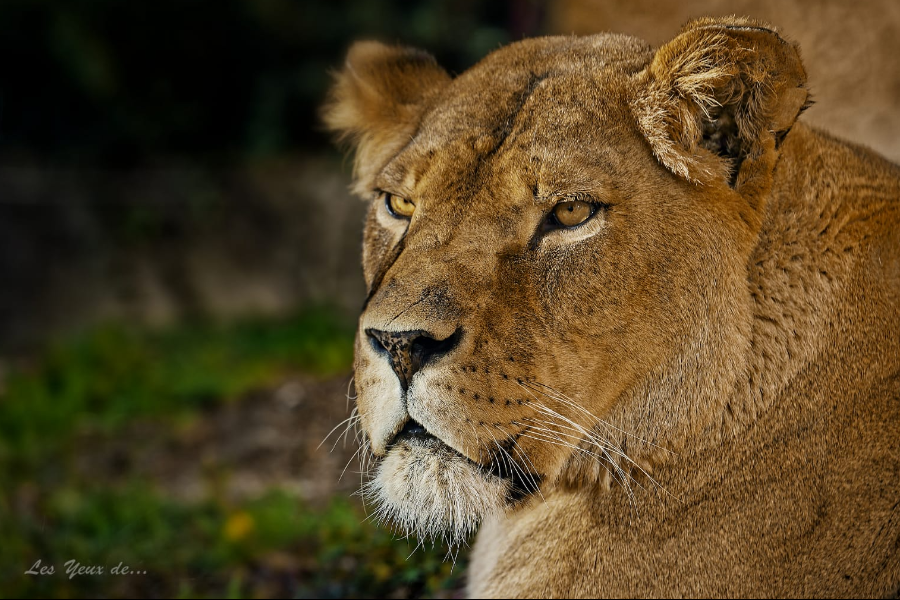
397,206
572,213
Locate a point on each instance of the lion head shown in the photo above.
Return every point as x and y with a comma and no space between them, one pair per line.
556,257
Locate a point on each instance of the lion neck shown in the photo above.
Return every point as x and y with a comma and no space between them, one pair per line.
797,273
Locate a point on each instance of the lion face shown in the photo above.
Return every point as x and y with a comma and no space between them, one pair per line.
535,270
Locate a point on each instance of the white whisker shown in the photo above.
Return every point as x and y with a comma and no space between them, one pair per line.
593,436
566,400
348,422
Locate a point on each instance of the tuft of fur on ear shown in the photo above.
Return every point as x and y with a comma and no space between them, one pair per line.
714,101
377,100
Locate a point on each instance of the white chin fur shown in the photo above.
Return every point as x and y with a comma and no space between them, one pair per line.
428,490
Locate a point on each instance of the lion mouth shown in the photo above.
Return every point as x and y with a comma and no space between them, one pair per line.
522,483
412,431
425,486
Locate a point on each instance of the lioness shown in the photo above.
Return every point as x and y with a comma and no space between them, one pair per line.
630,316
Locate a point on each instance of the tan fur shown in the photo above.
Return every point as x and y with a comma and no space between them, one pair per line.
698,390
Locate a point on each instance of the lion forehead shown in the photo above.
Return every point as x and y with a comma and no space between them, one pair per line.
516,130
561,73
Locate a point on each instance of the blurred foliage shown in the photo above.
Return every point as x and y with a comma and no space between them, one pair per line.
104,377
117,82
272,545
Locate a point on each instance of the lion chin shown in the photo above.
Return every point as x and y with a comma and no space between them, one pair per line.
427,489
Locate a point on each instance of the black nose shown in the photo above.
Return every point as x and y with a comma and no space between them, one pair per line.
409,351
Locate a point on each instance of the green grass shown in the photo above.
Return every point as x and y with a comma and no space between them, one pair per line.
270,546
273,545
108,376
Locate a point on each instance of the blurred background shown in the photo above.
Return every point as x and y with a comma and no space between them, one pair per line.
179,276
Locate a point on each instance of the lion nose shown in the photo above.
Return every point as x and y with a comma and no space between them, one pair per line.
409,351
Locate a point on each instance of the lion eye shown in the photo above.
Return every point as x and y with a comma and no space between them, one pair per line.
572,213
397,206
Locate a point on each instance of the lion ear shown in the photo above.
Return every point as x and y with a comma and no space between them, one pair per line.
714,101
377,99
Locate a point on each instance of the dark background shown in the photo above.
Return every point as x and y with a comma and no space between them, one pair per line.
165,158
179,275
117,84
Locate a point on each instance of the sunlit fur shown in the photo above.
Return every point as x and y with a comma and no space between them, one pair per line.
696,392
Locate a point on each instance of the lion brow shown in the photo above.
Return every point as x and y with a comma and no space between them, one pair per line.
502,132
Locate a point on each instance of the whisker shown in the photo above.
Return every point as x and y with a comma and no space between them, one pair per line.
604,450
512,462
347,395
579,428
617,476
563,399
534,470
566,400
563,444
352,418
355,454
589,437
607,447
350,425
603,445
